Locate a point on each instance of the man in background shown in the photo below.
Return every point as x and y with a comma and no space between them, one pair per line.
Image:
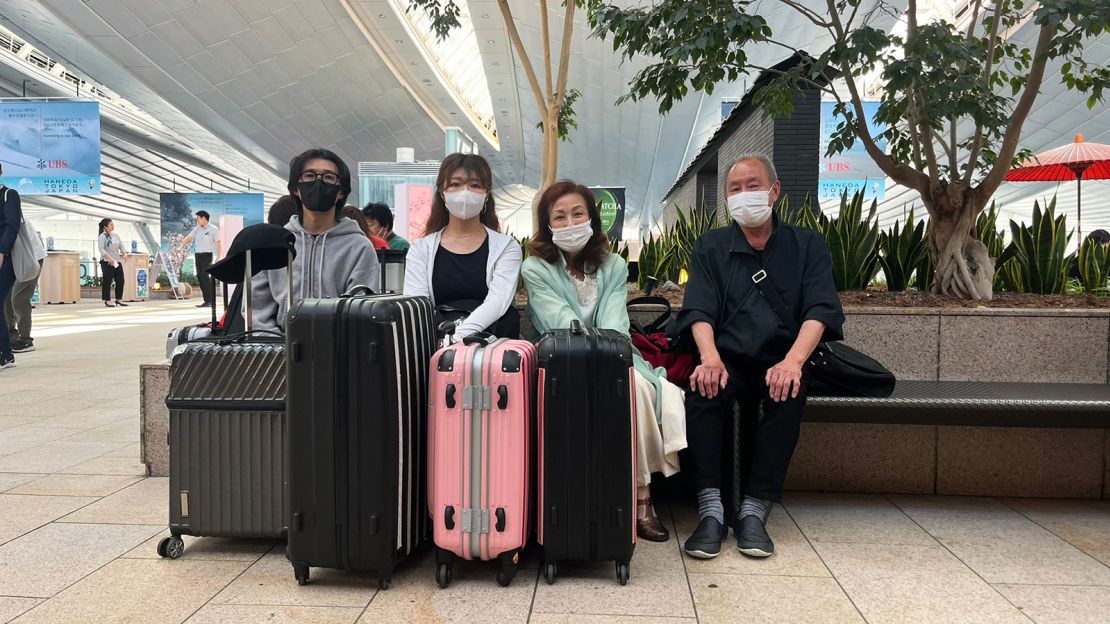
17,307
206,238
380,219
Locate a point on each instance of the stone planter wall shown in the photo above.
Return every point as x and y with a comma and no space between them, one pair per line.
922,344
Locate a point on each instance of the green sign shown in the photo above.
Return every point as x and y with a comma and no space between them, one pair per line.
610,203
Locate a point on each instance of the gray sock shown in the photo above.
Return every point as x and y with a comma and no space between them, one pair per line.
709,504
755,507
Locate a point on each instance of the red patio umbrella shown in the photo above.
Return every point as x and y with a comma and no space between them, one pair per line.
1079,161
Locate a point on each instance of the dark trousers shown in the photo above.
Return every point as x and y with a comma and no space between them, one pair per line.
768,444
7,280
17,308
108,273
204,260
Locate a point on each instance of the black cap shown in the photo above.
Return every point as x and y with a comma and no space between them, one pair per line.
270,246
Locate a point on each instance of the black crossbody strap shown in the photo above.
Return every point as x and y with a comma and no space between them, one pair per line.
767,288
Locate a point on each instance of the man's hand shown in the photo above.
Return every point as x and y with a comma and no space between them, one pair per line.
710,377
784,380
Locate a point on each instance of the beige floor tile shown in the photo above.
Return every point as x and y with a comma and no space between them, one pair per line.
138,590
109,465
963,516
9,419
473,596
46,561
1047,561
9,480
1083,523
91,418
55,456
208,548
11,608
898,584
580,618
728,598
270,582
20,514
1054,604
123,430
75,485
853,518
657,586
46,409
131,451
29,437
1101,555
246,614
145,502
793,554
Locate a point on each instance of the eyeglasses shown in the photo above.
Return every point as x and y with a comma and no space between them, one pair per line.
312,176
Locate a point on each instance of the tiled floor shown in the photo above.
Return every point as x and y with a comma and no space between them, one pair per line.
79,524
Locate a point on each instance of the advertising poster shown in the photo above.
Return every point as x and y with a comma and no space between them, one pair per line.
610,203
412,205
51,147
230,212
142,286
851,170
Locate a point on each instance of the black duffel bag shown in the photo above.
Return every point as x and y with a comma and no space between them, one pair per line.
835,368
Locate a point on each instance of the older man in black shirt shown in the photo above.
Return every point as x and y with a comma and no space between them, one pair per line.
746,353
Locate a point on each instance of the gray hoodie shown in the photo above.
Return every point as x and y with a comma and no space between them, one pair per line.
327,265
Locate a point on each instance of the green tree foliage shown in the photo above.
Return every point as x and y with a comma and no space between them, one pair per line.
901,250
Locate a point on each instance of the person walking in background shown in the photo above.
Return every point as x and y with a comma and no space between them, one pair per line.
17,307
111,263
11,218
353,213
380,219
206,240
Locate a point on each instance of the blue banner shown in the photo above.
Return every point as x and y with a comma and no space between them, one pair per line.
229,212
51,147
853,169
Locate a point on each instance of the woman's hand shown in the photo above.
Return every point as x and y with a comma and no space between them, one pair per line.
784,380
710,377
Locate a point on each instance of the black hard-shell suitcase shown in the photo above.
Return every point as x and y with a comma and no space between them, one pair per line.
587,449
227,420
357,403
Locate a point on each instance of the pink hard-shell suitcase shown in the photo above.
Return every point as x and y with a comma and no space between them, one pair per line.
480,436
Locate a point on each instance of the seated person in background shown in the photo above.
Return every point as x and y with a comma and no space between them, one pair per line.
747,354
380,219
355,215
463,261
571,275
333,254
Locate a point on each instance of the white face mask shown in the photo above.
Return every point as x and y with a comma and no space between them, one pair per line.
465,204
572,238
750,208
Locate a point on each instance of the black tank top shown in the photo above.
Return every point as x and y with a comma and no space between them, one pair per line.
460,276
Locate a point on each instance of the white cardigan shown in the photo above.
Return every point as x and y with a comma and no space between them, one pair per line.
502,277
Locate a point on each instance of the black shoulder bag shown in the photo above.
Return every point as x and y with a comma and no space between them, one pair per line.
835,368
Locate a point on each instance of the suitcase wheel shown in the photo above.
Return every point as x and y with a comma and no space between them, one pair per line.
623,572
443,575
550,573
505,577
300,572
171,547
383,583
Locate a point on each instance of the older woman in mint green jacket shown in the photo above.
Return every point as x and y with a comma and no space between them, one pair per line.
571,276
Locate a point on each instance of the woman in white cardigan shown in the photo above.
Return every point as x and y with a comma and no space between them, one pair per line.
463,262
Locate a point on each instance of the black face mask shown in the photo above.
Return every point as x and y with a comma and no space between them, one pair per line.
319,196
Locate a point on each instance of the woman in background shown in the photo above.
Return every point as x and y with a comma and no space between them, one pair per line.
111,263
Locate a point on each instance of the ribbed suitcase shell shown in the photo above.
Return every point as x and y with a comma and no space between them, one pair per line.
480,423
227,440
587,446
358,379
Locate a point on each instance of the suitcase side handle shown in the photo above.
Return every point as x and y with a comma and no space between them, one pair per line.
482,338
449,518
576,328
500,514
357,290
502,397
450,396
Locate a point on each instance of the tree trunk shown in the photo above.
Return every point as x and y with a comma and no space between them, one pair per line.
964,269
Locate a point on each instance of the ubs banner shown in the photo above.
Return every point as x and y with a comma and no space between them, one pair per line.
851,170
610,203
230,212
51,147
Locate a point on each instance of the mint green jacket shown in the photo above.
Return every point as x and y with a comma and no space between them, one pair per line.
553,304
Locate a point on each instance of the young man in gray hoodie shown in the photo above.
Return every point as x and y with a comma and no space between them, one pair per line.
333,254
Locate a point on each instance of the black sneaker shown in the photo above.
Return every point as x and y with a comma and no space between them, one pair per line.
23,346
7,360
752,538
705,543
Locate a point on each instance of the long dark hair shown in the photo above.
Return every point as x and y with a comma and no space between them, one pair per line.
296,168
474,165
593,254
354,214
103,227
